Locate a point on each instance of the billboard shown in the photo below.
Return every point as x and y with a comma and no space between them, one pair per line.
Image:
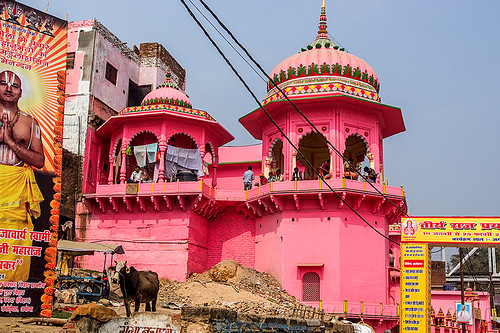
415,293
451,231
32,82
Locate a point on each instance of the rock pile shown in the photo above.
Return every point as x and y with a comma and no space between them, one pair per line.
235,287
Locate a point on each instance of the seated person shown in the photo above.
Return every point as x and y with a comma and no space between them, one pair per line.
136,175
324,169
271,177
349,169
296,175
145,178
370,174
263,180
279,175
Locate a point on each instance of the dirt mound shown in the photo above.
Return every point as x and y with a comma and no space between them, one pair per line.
231,285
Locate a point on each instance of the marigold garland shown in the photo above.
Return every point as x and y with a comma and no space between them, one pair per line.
51,251
46,313
46,306
50,265
54,218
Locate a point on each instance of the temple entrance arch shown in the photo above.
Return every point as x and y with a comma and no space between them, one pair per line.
356,148
183,158
276,156
143,153
182,140
313,146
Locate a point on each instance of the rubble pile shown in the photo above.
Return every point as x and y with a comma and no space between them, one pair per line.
232,286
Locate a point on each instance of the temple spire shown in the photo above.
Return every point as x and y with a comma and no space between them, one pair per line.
167,76
322,32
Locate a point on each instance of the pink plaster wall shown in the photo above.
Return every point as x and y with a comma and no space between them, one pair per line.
156,240
198,244
445,300
231,236
115,96
234,161
311,242
73,76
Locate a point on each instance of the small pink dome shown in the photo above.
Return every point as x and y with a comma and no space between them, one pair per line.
167,93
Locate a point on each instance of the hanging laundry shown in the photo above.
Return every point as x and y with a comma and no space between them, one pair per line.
151,150
189,159
140,155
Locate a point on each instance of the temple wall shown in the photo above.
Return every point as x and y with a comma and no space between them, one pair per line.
198,244
155,241
231,235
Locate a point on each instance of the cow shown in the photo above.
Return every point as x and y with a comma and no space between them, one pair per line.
137,286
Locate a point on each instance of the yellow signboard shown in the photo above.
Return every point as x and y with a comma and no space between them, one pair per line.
452,231
415,293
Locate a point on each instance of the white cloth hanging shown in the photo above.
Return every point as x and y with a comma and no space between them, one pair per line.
140,155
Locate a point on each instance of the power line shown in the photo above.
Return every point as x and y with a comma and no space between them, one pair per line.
304,117
274,123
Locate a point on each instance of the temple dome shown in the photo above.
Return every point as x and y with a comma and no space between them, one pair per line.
324,68
167,93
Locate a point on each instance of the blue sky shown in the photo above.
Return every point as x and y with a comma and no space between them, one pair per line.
437,60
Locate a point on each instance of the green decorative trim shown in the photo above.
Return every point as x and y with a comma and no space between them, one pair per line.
167,107
170,101
324,69
242,162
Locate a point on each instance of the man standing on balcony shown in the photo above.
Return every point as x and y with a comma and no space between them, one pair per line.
20,150
248,178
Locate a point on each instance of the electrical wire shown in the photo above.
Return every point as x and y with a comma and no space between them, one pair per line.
275,124
304,117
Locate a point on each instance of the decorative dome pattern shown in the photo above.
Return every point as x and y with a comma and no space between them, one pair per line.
323,68
167,93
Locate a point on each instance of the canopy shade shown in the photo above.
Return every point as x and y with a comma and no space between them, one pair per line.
81,248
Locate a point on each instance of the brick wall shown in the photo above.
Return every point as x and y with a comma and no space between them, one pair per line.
438,274
231,235
150,52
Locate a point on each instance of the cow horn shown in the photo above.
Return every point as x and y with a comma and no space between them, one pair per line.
127,270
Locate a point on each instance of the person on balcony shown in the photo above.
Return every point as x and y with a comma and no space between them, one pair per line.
271,177
296,175
145,178
248,178
136,175
350,169
262,180
370,174
279,175
324,169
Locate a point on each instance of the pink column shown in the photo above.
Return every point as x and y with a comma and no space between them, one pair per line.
214,176
123,169
163,148
330,151
202,154
111,168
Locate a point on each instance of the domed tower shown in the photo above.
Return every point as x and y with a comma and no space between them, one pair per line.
339,93
329,248
165,210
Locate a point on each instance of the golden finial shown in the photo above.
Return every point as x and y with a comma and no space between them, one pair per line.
323,6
